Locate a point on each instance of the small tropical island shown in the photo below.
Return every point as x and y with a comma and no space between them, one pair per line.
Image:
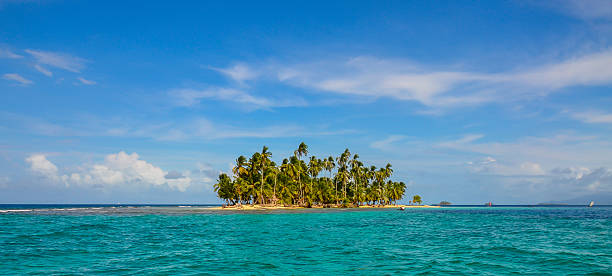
303,181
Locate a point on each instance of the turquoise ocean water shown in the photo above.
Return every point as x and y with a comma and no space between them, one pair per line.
194,240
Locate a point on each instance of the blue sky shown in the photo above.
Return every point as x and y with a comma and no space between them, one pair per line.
471,102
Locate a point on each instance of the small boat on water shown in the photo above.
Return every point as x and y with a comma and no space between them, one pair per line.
402,208
591,204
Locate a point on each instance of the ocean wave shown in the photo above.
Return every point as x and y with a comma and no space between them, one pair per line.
16,210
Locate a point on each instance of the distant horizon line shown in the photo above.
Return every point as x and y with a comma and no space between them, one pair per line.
219,204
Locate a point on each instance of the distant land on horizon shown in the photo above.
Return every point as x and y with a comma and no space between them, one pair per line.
599,199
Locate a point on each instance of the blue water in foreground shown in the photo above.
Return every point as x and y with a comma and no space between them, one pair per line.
195,240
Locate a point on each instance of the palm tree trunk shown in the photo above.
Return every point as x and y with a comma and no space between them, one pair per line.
261,188
275,177
355,192
300,193
336,190
343,189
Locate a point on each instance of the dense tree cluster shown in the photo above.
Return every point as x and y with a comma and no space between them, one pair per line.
297,181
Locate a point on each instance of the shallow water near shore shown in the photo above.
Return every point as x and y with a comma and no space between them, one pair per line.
194,239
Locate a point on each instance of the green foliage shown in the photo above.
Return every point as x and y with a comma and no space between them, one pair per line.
258,180
417,199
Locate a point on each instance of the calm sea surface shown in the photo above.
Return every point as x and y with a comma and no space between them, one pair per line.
194,240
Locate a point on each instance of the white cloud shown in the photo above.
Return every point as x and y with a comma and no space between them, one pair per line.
117,171
5,53
58,60
40,165
531,180
43,70
366,78
593,117
437,88
562,150
370,77
575,173
190,97
532,168
17,78
238,72
593,69
492,166
207,171
585,9
485,165
582,180
458,143
205,129
171,130
85,81
386,143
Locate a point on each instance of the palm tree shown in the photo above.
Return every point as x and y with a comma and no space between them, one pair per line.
398,190
417,199
329,166
302,150
402,190
274,171
387,171
285,169
294,170
253,170
314,167
372,177
356,171
251,181
264,162
380,178
223,187
343,170
239,171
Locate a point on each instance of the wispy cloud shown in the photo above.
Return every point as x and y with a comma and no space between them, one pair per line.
6,53
188,129
492,166
205,129
239,72
525,166
36,126
85,81
18,78
436,88
466,139
585,9
593,117
370,77
562,150
58,60
386,143
191,97
43,70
